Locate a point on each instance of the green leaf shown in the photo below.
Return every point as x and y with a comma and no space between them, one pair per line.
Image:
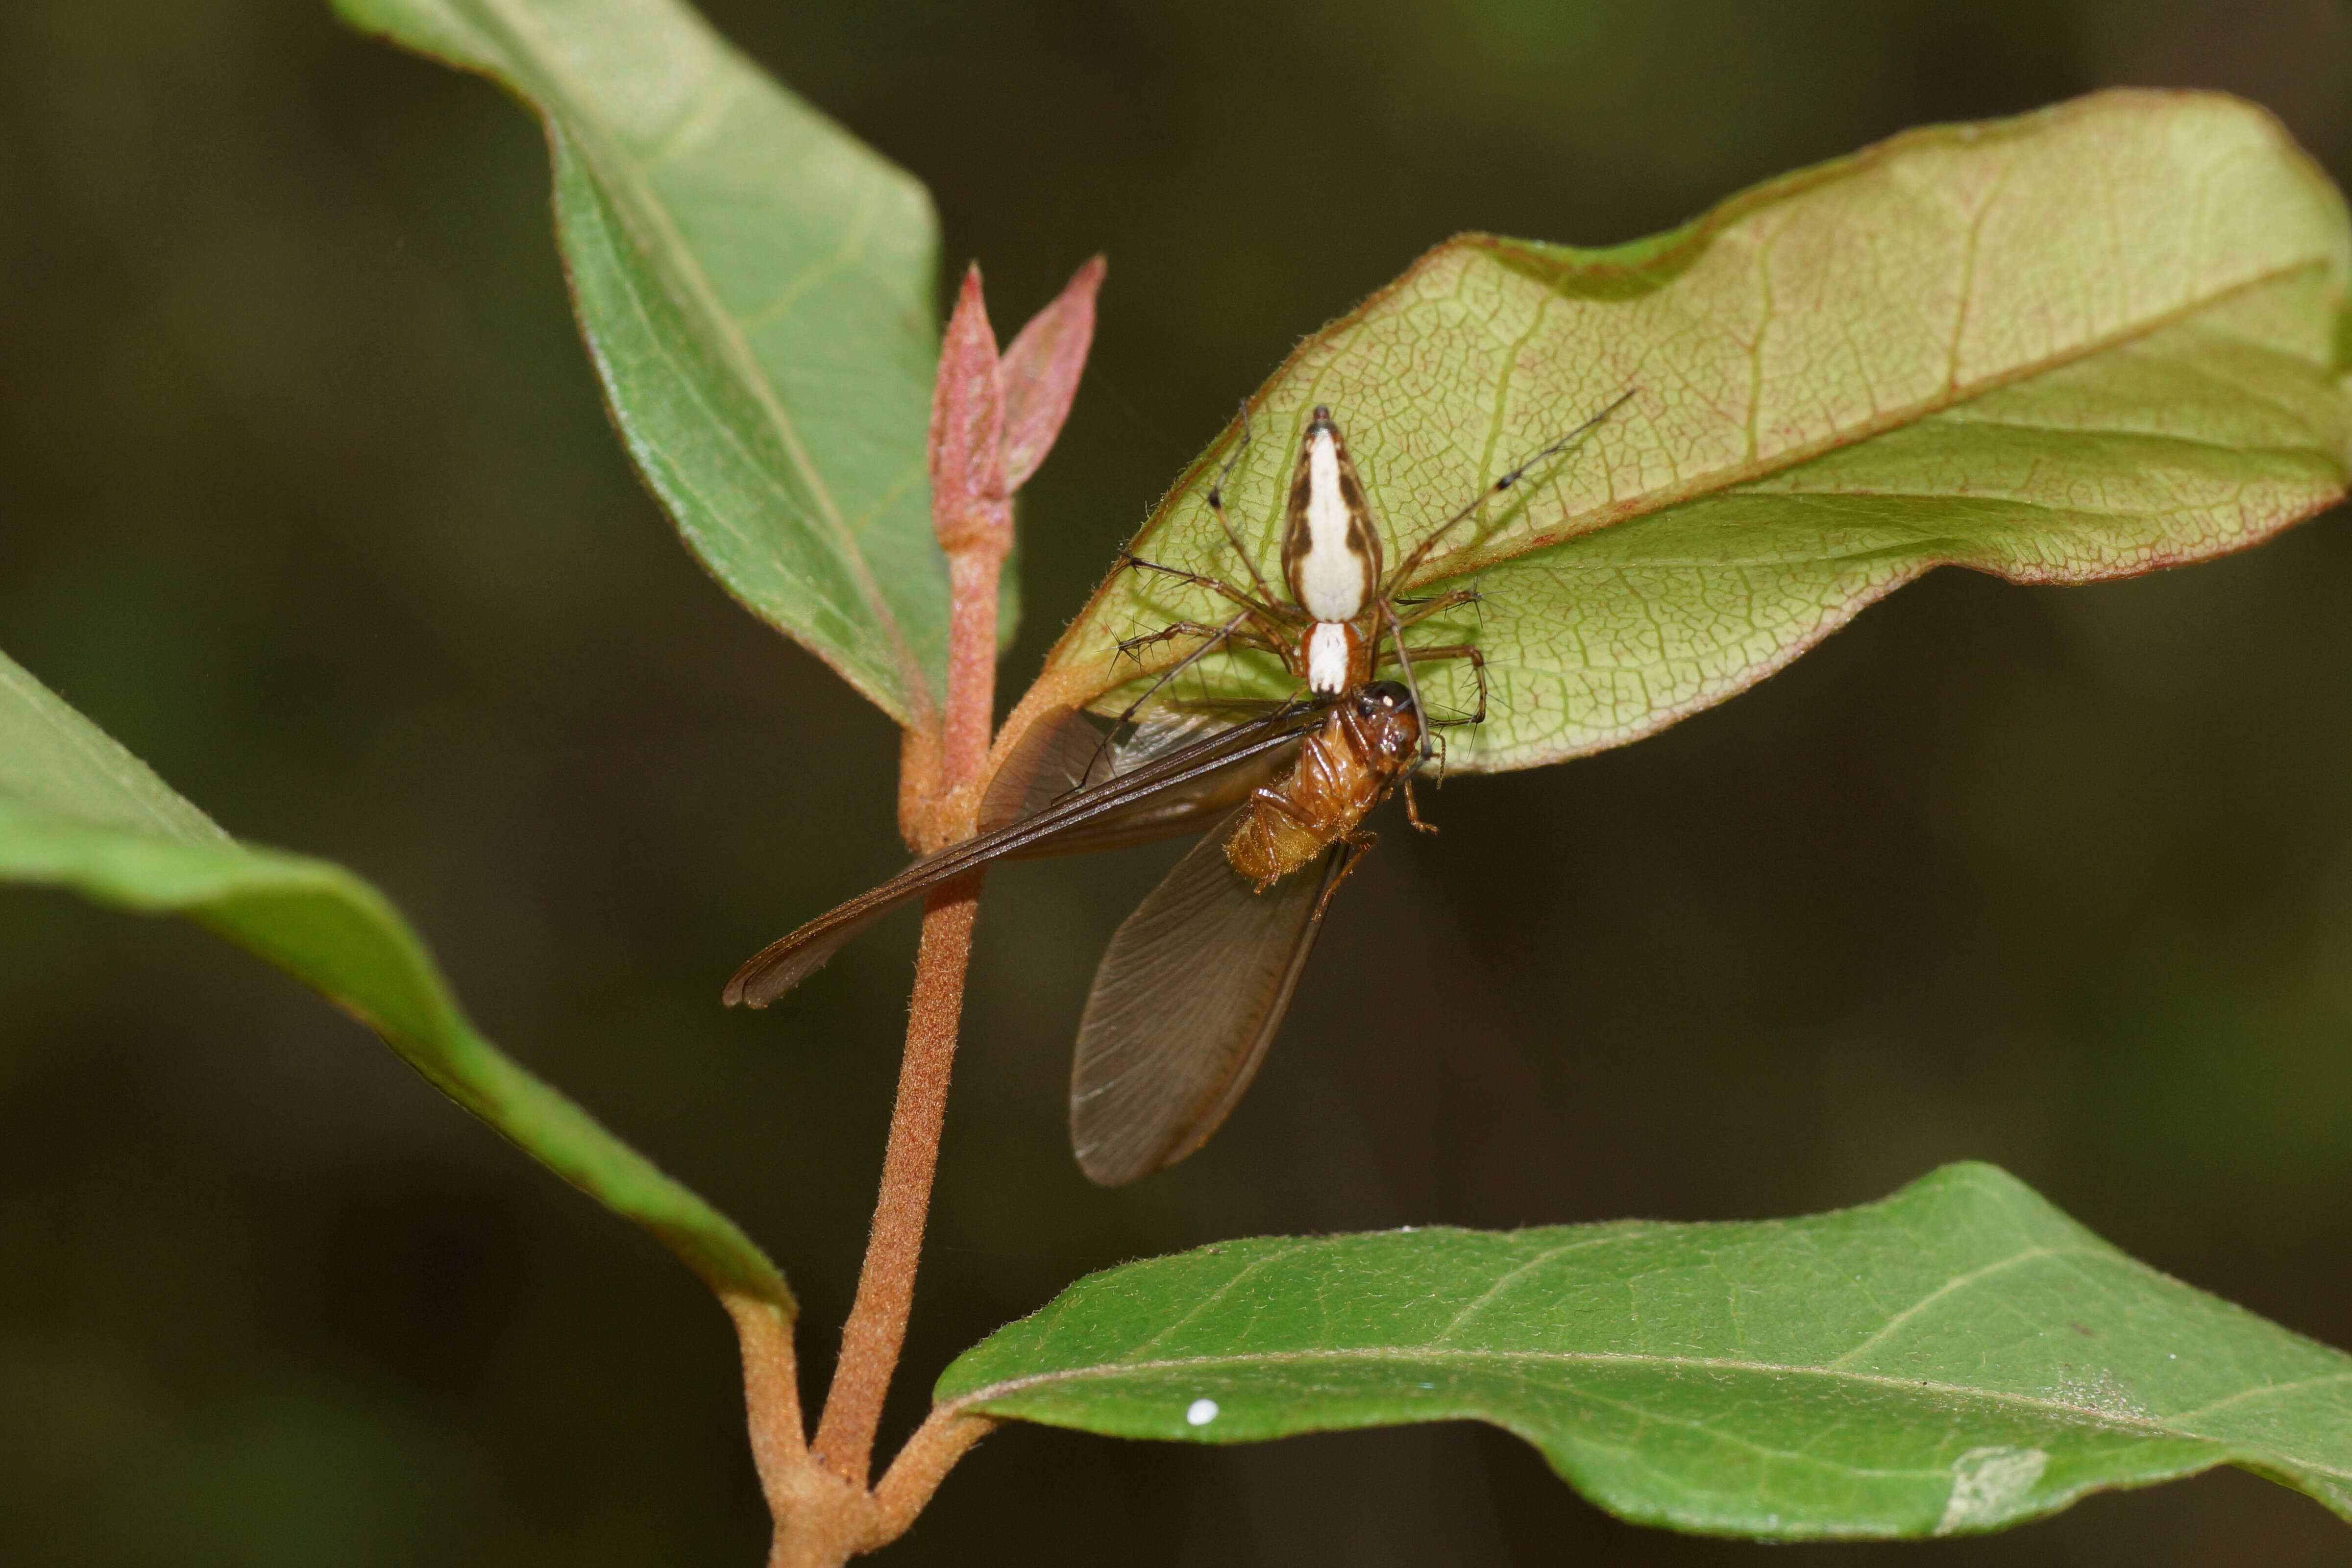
1956,1357
79,812
755,286
2085,343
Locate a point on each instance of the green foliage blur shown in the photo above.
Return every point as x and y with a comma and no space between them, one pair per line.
306,496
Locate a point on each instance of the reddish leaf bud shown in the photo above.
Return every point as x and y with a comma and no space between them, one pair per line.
967,445
1040,374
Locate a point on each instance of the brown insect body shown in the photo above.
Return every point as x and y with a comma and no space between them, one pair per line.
1369,741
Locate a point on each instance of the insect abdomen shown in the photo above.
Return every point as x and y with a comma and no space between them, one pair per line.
1319,801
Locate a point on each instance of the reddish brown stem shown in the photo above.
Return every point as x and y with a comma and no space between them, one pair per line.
771,1395
973,577
886,1285
818,1518
818,1492
945,1437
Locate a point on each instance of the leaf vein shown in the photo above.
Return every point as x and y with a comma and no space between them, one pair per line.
2085,1414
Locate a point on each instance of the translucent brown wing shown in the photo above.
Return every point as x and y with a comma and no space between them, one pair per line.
1168,793
1075,750
1185,1005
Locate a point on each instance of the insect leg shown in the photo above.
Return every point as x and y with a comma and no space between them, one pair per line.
1273,800
1413,809
1357,846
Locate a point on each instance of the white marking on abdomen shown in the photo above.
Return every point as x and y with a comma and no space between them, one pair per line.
1331,575
1327,657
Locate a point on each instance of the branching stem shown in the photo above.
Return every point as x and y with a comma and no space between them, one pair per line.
991,422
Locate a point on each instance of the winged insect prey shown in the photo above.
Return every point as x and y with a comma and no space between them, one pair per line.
1195,982
1175,789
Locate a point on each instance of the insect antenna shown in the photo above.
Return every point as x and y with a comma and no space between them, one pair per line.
1420,552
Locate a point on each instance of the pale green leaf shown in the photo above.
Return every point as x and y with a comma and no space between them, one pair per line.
79,812
2083,343
1956,1357
755,287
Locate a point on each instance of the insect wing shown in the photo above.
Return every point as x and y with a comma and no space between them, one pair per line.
1059,754
793,958
1073,751
789,960
1185,1005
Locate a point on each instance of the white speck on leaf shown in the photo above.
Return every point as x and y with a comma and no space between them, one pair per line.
1988,1484
1201,1412
2105,1394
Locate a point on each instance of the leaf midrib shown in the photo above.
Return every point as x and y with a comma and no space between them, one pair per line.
93,747
1421,1355
586,130
1473,558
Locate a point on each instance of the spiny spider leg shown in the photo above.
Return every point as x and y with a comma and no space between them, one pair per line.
1412,562
1477,671
1276,613
1419,610
1212,639
1403,657
1217,506
1233,638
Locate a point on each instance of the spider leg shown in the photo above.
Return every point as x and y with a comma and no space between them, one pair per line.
1403,657
1212,639
1419,610
1216,499
1477,670
1422,551
1227,633
1261,608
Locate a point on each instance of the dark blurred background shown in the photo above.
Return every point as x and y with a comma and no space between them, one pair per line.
306,495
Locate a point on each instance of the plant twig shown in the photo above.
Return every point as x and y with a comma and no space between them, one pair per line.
772,1394
992,420
945,1437
886,1285
817,1517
